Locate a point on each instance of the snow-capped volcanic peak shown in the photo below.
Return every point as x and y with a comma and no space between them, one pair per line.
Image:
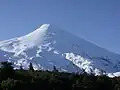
49,46
28,41
36,37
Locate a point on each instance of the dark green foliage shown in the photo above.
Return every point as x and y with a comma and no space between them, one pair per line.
21,68
45,80
55,69
10,84
31,67
6,70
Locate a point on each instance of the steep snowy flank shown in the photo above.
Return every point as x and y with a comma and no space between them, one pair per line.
50,46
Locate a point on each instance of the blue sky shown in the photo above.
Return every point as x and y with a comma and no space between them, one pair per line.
95,20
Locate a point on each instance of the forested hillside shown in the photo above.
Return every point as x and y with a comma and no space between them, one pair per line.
11,79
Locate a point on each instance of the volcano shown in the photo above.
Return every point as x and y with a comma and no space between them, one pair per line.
49,46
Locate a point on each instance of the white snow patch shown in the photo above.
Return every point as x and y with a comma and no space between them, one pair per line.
56,52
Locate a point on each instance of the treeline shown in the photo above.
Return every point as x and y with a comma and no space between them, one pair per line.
11,79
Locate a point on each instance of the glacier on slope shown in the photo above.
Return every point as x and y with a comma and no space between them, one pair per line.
50,46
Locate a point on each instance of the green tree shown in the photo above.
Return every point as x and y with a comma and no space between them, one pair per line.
117,87
6,70
10,84
55,69
21,68
31,67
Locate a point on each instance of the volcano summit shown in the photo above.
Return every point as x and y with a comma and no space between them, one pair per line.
50,46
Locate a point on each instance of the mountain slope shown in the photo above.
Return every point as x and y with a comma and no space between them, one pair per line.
49,46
